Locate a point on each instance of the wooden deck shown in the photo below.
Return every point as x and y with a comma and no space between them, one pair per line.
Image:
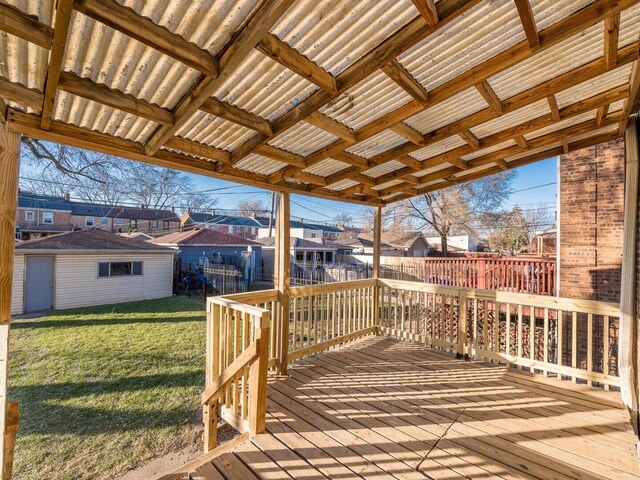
380,408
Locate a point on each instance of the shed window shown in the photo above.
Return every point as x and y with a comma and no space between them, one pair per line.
133,223
104,221
165,225
154,224
47,217
89,221
117,269
29,216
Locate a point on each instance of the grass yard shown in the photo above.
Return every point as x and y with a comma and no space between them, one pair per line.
104,389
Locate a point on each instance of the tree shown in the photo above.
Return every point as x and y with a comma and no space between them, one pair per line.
251,207
344,220
456,209
537,219
53,169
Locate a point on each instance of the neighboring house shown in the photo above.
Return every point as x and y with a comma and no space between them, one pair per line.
361,245
458,243
544,243
202,247
244,227
305,254
39,216
408,244
393,244
117,219
300,229
43,215
86,268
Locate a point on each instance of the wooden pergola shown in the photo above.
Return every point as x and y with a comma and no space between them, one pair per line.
360,101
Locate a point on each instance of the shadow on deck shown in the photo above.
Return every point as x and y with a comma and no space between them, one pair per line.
380,408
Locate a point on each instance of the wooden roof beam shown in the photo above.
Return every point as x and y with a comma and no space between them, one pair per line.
27,27
276,49
528,23
405,80
521,141
601,114
231,113
228,60
405,173
199,149
611,35
470,138
374,59
428,10
3,111
553,106
502,164
409,133
351,159
100,93
127,21
632,103
64,10
490,96
20,94
282,156
328,124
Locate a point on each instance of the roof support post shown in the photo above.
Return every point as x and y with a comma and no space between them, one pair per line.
9,161
628,338
281,281
377,291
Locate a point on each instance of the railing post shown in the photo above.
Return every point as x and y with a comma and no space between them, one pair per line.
282,282
210,410
377,233
482,273
258,376
463,311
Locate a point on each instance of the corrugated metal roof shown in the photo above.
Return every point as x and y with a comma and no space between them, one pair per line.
562,124
377,144
261,165
327,167
211,130
303,139
435,169
439,147
388,167
488,150
600,84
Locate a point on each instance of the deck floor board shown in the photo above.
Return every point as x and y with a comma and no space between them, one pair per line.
379,408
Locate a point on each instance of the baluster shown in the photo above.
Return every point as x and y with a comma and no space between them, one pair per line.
574,342
520,336
559,338
545,344
589,346
532,336
605,350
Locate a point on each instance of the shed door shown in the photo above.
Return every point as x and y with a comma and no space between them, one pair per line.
39,283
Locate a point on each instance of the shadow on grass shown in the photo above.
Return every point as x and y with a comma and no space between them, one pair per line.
42,413
44,323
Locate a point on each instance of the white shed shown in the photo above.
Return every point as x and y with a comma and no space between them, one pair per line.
87,268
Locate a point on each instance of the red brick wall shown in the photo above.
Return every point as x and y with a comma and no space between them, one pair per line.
591,222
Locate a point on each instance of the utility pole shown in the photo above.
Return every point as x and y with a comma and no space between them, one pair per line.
273,204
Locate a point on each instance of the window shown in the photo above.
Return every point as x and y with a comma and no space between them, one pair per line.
118,269
154,224
133,223
104,221
29,216
47,217
119,221
313,235
89,221
165,225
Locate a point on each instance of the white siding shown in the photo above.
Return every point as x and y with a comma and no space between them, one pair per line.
77,283
17,290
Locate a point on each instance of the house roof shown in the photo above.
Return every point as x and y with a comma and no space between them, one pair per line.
308,97
396,239
264,221
90,241
44,227
31,200
299,244
217,219
359,241
133,213
202,236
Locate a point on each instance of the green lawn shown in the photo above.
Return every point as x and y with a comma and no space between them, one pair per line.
104,389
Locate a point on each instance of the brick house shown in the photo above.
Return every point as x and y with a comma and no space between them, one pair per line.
43,215
591,222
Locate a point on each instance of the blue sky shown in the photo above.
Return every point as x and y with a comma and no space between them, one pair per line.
535,185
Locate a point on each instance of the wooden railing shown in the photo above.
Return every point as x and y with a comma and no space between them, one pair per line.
323,316
574,339
237,360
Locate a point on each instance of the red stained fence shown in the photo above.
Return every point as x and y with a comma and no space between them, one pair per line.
530,275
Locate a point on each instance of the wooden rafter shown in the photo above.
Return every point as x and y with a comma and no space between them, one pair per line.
632,103
611,35
56,56
281,156
25,26
428,10
83,87
3,111
127,21
19,93
470,138
331,126
274,48
199,149
521,141
405,80
601,114
552,35
553,106
236,115
351,159
408,133
490,96
230,58
528,23
386,51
